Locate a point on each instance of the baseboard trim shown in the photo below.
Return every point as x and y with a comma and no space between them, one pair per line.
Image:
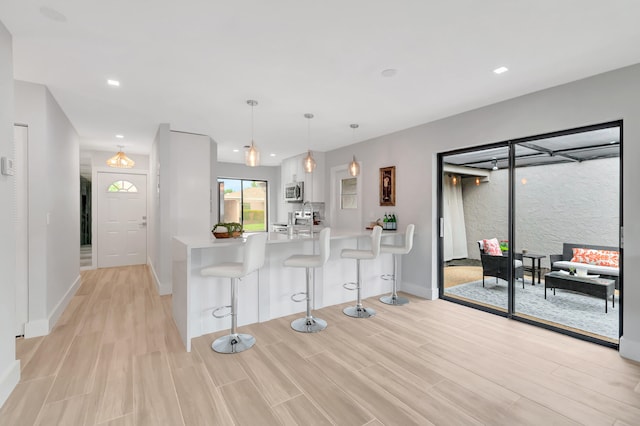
629,349
64,302
42,327
162,289
36,328
418,290
9,380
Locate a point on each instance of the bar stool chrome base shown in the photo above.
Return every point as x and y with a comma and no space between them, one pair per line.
394,300
308,325
233,343
359,312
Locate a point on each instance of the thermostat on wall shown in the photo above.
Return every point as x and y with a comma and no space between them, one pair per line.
8,166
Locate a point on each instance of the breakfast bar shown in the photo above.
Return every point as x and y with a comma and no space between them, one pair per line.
266,294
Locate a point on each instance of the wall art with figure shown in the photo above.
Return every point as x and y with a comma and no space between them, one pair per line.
388,186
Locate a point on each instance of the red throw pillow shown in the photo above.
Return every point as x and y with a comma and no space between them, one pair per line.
596,257
492,247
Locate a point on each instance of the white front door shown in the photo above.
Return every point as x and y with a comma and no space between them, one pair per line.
346,199
122,219
21,137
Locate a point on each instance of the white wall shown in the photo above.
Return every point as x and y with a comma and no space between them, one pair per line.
9,366
269,173
189,183
602,98
566,202
181,168
54,205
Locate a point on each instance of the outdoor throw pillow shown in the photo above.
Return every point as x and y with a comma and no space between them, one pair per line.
596,257
492,247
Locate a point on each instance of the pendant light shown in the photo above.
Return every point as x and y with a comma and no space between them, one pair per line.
354,167
309,163
120,160
252,155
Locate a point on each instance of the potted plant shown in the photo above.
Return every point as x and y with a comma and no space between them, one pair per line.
227,230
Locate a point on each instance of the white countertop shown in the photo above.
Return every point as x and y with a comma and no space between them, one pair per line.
208,240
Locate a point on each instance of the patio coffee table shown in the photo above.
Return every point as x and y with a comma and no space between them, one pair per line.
598,287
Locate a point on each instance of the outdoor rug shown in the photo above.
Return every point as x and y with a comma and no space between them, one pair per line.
568,308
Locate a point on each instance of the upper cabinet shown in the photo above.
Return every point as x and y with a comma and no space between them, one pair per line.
292,170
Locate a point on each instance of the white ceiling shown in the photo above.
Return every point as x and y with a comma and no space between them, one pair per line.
194,63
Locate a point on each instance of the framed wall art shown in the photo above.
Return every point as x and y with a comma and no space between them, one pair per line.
388,186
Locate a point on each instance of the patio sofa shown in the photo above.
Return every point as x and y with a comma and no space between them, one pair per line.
599,260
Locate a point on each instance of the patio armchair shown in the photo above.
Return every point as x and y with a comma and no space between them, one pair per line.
498,265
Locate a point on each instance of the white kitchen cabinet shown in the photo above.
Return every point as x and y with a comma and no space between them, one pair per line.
292,170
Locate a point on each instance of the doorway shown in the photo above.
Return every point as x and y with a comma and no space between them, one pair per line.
86,248
530,211
122,219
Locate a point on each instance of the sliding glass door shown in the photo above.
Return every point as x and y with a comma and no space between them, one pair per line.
530,230
567,221
243,201
475,227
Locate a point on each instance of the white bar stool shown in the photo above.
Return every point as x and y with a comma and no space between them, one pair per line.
394,299
254,250
359,311
309,324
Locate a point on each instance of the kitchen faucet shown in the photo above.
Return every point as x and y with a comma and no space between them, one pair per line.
310,216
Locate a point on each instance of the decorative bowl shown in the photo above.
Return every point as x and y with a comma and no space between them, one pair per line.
234,234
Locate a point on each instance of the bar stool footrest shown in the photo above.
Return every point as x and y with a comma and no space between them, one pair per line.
350,286
302,293
387,277
219,308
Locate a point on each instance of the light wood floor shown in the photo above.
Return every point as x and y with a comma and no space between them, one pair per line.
115,358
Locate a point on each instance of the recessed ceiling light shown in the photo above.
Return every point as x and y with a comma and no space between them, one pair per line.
500,70
120,136
52,14
236,150
114,83
389,72
272,155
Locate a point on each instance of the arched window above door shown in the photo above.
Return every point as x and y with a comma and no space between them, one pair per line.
122,186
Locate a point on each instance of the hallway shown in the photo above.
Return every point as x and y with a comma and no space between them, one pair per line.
115,358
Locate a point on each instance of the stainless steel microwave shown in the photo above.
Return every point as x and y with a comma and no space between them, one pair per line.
294,192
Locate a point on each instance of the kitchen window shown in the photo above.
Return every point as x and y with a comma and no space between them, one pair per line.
243,201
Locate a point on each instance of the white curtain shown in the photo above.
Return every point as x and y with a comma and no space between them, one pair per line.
455,233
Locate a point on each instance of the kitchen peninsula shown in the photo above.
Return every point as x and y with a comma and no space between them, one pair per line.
266,294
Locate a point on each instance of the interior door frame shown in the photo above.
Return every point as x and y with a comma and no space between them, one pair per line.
94,210
22,289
